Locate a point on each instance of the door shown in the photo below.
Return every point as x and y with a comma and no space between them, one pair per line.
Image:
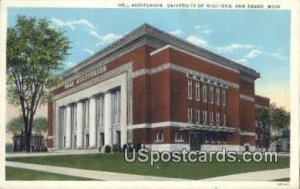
195,141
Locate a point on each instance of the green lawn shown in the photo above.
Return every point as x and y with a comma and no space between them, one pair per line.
25,174
116,163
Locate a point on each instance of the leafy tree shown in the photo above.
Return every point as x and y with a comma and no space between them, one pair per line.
15,126
280,121
35,51
264,118
40,125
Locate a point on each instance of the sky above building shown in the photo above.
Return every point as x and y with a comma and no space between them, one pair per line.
257,39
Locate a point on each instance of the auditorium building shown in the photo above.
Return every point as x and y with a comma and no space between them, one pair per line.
155,89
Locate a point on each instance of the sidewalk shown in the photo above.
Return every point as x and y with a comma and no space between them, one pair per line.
267,175
95,175
53,153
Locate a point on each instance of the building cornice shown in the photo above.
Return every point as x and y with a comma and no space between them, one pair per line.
149,35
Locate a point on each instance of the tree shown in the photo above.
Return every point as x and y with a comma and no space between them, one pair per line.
35,51
264,118
15,126
280,121
40,125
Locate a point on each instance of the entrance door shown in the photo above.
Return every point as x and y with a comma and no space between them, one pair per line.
195,140
87,141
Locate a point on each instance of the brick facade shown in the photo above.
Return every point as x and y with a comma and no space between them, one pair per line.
161,72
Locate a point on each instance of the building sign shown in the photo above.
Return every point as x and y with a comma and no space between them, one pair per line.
85,77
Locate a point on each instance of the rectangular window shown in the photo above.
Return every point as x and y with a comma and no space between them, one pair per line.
190,115
204,117
217,118
224,119
211,94
159,136
224,97
178,137
218,96
211,118
100,111
198,116
197,91
204,91
85,112
190,89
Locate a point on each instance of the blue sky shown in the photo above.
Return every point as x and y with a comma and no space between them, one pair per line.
257,39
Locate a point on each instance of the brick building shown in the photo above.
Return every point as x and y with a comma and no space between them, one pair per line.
153,88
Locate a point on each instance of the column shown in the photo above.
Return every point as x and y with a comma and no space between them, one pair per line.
68,127
92,122
107,119
79,142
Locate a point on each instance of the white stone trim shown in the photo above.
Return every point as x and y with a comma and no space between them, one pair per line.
167,147
246,97
193,55
159,124
261,106
184,70
246,133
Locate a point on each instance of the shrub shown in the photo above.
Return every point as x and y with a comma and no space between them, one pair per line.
107,149
8,147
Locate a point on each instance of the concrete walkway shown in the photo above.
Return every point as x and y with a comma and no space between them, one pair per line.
95,175
53,153
266,175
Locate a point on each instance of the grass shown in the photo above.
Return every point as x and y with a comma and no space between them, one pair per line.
25,174
116,163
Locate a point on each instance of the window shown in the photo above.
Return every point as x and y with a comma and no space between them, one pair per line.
178,137
116,107
159,136
224,119
204,91
190,115
217,118
224,97
85,112
190,89
204,117
218,96
197,91
198,116
100,111
211,118
211,94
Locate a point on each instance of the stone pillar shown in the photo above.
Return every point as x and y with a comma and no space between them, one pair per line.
79,137
107,119
68,127
92,122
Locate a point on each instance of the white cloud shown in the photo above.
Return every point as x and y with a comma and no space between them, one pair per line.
253,53
69,64
243,61
72,23
95,34
206,31
176,32
89,51
110,37
203,30
233,47
197,26
197,40
104,39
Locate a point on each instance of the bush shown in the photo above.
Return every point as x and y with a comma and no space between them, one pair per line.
116,148
107,149
8,147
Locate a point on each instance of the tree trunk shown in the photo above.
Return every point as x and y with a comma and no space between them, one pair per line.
27,141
